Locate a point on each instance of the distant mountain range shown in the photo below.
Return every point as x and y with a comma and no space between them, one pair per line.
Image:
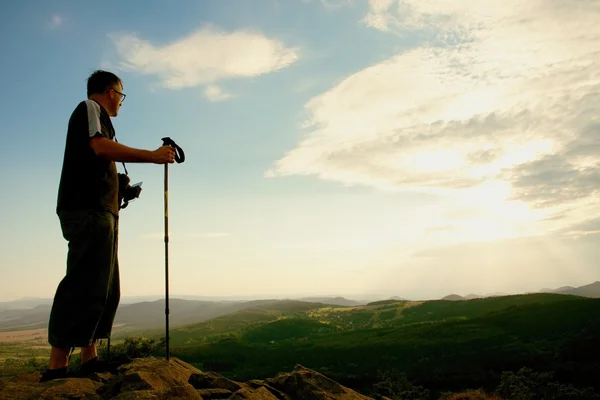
592,290
24,303
148,314
31,302
335,301
474,296
33,313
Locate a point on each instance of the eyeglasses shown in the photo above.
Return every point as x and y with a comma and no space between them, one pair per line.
123,95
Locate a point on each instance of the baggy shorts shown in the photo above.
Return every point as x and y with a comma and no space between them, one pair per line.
86,299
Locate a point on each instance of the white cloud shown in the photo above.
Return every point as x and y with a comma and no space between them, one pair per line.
204,57
215,93
379,15
501,103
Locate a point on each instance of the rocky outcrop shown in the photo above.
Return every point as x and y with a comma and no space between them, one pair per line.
158,379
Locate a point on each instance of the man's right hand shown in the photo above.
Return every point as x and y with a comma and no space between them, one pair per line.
163,155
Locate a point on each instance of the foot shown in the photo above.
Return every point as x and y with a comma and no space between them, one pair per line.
94,365
54,373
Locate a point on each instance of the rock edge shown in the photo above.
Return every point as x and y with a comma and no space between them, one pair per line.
158,379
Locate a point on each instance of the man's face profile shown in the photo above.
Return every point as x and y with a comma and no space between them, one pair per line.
116,97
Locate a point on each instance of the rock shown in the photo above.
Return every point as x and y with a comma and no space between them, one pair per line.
305,383
100,376
211,380
256,383
210,394
183,392
70,388
259,394
158,379
157,375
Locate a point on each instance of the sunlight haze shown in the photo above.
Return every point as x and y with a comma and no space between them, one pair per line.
354,148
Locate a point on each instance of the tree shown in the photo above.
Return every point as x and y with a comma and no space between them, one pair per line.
133,347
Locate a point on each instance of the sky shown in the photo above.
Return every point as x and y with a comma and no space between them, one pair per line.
412,148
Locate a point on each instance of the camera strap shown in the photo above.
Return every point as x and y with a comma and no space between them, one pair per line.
124,167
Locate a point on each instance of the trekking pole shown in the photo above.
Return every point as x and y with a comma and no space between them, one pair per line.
167,255
179,158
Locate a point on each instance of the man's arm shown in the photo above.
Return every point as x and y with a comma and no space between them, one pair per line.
113,150
117,152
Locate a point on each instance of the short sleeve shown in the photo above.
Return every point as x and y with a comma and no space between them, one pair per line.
93,116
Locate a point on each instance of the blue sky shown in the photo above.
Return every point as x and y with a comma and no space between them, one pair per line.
411,148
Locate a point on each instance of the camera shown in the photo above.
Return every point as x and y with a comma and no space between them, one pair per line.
127,192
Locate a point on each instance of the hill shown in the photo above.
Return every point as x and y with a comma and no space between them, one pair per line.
592,290
438,344
24,303
334,301
138,316
379,314
21,319
453,297
148,315
235,323
147,312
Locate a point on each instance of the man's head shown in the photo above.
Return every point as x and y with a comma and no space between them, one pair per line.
107,89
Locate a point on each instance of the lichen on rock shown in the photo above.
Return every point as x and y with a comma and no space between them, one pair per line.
154,378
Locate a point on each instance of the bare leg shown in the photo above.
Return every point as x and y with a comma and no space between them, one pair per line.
59,358
89,352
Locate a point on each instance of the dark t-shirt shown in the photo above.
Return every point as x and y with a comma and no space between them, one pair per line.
88,181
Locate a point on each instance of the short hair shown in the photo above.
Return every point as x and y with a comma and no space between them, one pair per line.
100,80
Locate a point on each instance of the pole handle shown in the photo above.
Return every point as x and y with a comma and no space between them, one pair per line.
179,154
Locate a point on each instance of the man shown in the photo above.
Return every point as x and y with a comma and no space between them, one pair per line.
87,297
